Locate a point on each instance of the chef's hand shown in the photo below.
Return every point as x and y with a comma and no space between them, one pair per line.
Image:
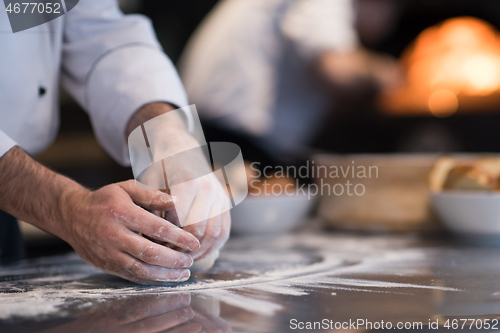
203,205
102,227
353,70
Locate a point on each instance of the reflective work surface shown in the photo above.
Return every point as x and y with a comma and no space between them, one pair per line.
269,284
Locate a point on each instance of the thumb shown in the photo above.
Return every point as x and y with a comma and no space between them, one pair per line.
148,198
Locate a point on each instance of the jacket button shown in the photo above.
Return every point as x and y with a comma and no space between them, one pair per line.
41,91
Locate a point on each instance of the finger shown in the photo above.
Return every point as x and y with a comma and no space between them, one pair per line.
160,229
186,328
224,233
162,322
154,254
173,217
147,198
209,239
197,229
196,222
201,208
143,273
186,193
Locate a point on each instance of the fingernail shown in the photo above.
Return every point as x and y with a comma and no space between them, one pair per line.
194,244
185,276
188,262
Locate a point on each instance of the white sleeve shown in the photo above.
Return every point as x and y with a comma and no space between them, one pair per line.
113,65
315,26
6,143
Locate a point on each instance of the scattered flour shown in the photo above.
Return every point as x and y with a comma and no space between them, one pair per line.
289,265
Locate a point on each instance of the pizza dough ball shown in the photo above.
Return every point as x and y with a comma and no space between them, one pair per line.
199,265
205,263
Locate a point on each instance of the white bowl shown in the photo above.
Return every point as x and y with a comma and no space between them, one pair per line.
269,214
469,213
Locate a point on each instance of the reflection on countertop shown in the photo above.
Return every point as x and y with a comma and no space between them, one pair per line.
260,284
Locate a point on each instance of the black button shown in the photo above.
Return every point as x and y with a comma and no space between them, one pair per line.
41,91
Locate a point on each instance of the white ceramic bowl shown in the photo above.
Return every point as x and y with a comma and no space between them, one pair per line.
469,213
269,214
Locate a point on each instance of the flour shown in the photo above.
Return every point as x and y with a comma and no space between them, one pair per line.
383,284
254,305
369,291
258,270
29,305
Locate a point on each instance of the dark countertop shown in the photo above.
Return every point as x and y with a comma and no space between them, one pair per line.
263,284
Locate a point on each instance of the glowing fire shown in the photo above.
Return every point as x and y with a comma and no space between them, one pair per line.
451,65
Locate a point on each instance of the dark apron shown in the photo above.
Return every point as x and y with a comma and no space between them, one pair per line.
11,243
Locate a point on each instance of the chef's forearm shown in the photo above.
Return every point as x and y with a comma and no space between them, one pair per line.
152,110
358,70
39,196
34,193
343,69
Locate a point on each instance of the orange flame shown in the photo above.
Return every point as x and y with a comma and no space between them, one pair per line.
448,64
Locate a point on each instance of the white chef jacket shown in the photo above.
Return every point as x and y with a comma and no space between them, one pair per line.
249,65
111,63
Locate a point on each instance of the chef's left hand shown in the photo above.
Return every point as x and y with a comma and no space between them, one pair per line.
202,208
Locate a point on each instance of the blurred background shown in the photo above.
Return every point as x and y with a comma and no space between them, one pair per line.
460,113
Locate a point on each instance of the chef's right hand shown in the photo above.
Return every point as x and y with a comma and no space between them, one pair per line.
102,227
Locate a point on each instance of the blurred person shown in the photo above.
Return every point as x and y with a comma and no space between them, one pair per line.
113,66
265,72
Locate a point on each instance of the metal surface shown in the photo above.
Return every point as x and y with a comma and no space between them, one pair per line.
265,285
